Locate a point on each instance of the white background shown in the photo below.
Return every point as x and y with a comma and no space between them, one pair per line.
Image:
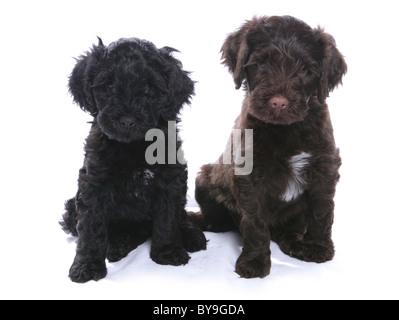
42,134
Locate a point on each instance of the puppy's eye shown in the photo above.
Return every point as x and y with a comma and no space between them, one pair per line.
304,71
262,65
148,92
103,86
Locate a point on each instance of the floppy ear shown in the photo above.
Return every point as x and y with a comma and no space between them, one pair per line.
81,78
236,50
180,86
333,66
235,54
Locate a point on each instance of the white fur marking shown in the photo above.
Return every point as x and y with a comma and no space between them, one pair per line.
295,186
148,175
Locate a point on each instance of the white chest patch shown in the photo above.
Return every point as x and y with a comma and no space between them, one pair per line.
146,176
297,182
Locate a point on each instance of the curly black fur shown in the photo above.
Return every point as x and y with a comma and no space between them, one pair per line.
128,87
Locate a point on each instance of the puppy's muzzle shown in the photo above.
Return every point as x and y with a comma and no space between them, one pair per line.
278,103
126,122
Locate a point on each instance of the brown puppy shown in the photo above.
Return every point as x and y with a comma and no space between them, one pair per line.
287,70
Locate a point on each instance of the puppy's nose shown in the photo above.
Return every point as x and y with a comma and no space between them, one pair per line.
126,121
278,102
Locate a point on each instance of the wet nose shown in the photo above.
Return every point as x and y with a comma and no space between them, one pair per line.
278,102
126,121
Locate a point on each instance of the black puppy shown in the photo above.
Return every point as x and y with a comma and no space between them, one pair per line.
129,88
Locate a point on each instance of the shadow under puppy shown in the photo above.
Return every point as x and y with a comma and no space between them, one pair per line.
287,69
129,88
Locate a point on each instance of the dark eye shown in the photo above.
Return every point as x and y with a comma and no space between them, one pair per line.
102,86
149,92
304,71
262,65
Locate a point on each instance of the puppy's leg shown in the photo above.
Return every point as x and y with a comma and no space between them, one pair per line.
309,241
254,260
310,236
167,245
290,233
125,236
212,198
318,245
193,238
89,263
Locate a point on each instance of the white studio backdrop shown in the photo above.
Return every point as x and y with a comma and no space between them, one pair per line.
42,134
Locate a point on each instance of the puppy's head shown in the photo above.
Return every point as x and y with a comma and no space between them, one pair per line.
129,87
283,63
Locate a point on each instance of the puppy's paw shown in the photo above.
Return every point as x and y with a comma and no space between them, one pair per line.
258,267
310,251
175,256
193,239
85,271
116,253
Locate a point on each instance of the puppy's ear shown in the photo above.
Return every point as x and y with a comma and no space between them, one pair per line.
81,78
235,54
180,86
333,66
238,47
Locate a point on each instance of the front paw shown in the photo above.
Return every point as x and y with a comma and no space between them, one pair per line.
116,253
175,256
193,239
82,271
310,251
250,267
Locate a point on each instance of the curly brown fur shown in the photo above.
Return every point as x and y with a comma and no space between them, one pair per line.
287,69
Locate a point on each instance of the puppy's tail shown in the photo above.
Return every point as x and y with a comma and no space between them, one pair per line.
219,221
198,219
70,218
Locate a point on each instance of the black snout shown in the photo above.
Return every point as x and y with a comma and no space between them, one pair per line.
126,121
